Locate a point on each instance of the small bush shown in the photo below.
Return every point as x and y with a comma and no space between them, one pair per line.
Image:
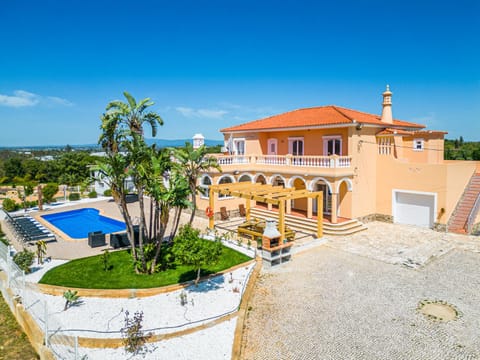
74,196
92,194
107,192
49,192
71,298
10,205
134,337
31,203
106,260
24,259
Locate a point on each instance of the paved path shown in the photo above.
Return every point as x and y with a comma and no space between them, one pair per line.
351,300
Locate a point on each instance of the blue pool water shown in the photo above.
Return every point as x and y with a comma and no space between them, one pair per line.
78,223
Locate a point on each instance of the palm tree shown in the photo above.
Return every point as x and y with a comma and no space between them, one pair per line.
122,128
191,164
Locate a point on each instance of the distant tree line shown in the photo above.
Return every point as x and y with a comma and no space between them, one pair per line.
66,167
458,149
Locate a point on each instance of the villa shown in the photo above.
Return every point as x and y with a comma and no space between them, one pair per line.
369,167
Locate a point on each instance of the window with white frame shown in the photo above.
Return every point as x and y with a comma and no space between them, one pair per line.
204,186
295,146
224,180
332,145
272,146
239,146
418,144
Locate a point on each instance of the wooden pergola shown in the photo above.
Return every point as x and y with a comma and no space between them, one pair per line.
270,194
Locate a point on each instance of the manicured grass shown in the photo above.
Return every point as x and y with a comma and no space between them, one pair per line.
88,272
14,343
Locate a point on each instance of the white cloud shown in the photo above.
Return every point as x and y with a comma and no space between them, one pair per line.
201,113
59,101
22,98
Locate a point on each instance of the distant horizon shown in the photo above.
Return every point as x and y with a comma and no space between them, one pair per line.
212,65
97,145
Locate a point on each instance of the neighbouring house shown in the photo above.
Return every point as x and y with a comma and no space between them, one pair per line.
101,182
369,167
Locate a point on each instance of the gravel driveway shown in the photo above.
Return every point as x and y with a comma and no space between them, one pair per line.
356,298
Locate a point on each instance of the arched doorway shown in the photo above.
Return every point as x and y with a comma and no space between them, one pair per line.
277,180
260,179
344,206
321,184
245,178
299,184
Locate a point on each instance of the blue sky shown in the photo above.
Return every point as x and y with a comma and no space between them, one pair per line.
212,64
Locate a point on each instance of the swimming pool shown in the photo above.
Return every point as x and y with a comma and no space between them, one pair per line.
78,223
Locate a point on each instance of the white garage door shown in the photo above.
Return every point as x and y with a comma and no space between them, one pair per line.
413,208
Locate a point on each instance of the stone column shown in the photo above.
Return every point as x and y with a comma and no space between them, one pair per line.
334,208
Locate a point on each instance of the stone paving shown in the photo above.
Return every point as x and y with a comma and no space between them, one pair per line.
73,249
356,298
407,245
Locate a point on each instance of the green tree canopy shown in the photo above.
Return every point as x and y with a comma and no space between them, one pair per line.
190,249
49,191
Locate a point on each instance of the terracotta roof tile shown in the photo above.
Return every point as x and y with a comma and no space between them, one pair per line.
316,116
390,131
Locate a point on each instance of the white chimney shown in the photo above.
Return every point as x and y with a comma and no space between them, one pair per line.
387,106
198,140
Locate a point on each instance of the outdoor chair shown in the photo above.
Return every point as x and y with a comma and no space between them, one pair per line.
119,240
224,213
241,210
96,239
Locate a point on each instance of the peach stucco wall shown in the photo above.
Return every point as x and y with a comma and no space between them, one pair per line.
432,152
448,181
256,143
364,153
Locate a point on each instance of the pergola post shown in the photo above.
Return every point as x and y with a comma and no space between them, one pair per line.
289,207
309,207
319,199
281,219
211,204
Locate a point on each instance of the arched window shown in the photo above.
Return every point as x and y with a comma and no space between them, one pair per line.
245,178
204,186
224,180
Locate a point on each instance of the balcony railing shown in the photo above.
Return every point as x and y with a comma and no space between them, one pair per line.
232,159
333,161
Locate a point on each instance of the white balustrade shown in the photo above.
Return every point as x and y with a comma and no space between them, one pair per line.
287,160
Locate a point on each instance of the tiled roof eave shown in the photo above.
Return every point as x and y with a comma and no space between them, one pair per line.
290,128
412,127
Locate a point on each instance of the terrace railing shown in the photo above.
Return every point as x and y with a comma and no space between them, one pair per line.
232,159
309,161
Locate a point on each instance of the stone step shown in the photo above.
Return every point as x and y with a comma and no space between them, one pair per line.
310,225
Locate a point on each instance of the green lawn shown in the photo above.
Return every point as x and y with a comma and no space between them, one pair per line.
88,272
14,343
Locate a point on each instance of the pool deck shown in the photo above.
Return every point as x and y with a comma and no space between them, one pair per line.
67,248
